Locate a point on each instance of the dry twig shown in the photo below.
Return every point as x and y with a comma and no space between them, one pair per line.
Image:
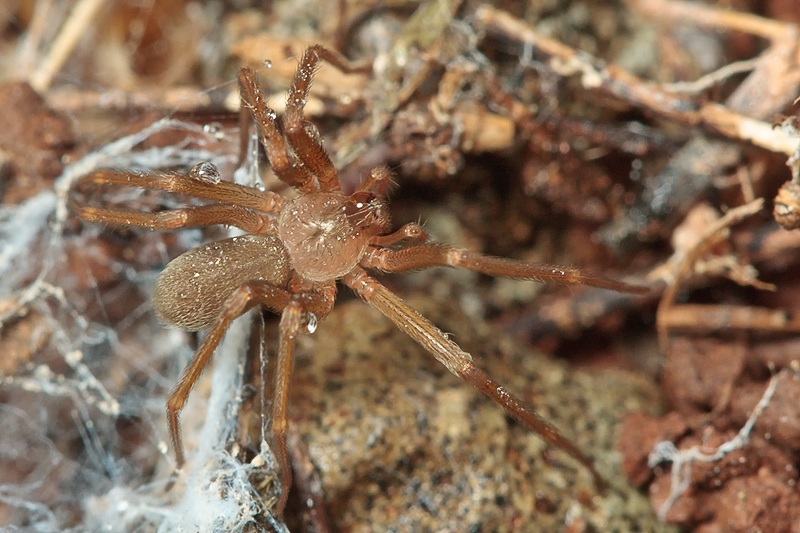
596,74
713,234
71,32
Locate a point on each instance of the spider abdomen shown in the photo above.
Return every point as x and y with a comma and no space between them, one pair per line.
191,290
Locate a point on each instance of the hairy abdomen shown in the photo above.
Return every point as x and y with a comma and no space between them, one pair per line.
190,291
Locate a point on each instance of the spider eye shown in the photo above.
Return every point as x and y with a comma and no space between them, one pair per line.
361,198
364,209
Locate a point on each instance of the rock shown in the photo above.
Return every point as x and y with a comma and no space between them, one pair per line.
403,445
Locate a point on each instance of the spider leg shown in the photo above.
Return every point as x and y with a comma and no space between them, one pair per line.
220,191
306,145
436,254
274,143
189,217
413,233
377,182
240,301
291,321
295,317
240,206
459,362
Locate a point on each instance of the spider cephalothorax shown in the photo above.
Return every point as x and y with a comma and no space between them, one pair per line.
326,234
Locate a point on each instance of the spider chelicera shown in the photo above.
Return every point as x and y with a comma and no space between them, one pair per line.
293,253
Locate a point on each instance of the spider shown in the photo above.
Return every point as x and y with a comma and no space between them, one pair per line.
294,251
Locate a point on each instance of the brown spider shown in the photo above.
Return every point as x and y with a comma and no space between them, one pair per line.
295,251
